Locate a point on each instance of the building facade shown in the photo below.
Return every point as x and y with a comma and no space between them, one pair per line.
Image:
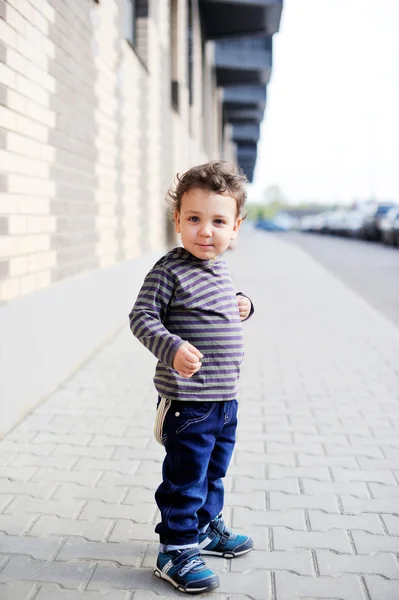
102,102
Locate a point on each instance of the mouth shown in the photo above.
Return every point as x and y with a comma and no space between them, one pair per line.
205,246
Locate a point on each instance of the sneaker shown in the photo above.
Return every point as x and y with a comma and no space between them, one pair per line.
186,571
220,540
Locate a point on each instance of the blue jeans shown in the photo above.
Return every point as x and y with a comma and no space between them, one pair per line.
199,439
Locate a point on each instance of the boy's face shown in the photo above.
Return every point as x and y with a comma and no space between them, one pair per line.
207,221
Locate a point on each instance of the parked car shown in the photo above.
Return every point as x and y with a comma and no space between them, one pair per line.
353,222
335,222
306,223
314,223
371,229
396,231
389,234
269,225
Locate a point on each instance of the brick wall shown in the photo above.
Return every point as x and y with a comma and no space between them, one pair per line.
27,156
88,139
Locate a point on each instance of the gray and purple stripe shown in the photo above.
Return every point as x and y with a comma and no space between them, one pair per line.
182,299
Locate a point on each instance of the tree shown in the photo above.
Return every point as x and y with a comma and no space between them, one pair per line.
275,200
274,195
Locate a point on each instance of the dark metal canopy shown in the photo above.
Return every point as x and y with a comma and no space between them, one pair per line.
227,18
243,67
242,31
243,61
246,94
238,115
246,132
246,157
246,135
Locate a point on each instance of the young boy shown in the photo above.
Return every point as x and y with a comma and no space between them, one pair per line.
189,316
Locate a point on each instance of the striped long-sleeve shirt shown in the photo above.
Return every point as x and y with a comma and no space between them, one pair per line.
184,298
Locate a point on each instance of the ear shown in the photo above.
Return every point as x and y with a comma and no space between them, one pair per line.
236,228
177,221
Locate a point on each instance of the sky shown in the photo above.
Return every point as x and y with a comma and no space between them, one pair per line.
331,127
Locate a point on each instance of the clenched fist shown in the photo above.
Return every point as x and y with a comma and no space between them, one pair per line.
187,360
244,307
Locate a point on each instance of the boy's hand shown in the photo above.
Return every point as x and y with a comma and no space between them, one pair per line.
187,360
244,306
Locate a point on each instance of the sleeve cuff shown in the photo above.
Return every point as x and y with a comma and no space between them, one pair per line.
169,353
251,312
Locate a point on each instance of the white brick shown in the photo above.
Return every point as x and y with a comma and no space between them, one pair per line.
17,224
45,9
8,119
23,7
19,184
47,153
40,22
15,19
49,224
41,242
105,211
16,61
9,289
39,224
30,128
16,101
18,266
7,246
51,259
40,77
36,262
22,145
8,162
41,261
17,245
36,187
28,284
8,204
19,6
32,90
25,86
39,113
31,205
32,167
34,36
7,34
32,53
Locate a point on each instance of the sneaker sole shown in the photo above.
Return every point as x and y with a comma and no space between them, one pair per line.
207,588
227,554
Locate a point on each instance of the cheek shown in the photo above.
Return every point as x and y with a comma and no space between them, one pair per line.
187,232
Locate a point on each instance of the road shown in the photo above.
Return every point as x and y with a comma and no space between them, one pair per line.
370,269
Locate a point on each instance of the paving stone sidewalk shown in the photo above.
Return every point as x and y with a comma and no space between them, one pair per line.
314,479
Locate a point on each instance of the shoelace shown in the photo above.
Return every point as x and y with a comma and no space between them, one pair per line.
191,564
222,528
227,531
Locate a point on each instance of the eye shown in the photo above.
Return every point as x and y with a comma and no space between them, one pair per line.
194,219
219,222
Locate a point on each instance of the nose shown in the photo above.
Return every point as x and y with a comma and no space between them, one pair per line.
205,230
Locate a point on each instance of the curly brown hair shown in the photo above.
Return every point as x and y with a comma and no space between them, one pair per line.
218,176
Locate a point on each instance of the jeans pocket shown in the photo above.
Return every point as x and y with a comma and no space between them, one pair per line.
230,410
190,413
